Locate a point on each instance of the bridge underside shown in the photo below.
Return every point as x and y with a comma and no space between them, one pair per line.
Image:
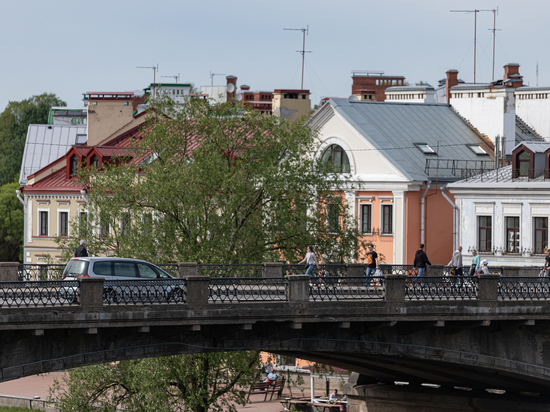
480,355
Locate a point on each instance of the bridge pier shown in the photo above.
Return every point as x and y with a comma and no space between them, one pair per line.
373,397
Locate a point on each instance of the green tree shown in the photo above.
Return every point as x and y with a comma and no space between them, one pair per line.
197,382
219,184
11,224
14,122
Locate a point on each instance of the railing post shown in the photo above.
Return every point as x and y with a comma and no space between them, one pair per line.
197,290
488,288
91,294
8,271
395,288
298,288
187,269
272,270
355,269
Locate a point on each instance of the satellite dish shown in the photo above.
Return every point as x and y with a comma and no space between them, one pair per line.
230,88
353,98
239,96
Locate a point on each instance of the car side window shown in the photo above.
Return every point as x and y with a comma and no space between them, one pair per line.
102,268
146,271
125,269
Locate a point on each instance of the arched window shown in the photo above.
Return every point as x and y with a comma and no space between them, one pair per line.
94,161
336,158
74,166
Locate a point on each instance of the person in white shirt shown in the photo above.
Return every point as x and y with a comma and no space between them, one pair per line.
268,367
334,395
484,268
311,261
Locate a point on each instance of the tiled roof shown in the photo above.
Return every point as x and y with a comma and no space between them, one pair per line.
56,182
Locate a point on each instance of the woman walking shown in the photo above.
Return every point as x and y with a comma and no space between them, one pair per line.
475,263
311,260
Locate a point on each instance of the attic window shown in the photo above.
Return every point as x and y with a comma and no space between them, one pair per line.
425,148
478,150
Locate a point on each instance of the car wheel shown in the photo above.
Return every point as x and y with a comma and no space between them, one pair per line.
109,296
175,295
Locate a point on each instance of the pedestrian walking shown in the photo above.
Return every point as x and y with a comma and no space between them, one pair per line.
372,264
456,261
546,269
420,262
311,261
268,366
475,263
81,250
484,267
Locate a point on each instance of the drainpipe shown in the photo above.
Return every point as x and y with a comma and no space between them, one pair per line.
21,200
423,213
455,210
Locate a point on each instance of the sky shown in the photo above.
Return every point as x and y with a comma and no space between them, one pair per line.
70,47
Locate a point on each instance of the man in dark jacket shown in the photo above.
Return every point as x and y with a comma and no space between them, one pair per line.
81,250
420,261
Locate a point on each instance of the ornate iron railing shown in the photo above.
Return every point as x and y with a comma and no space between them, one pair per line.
132,292
442,288
337,288
322,271
524,288
408,270
39,293
231,271
247,289
28,272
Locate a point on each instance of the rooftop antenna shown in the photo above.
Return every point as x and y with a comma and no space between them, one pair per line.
155,70
174,77
212,77
537,74
303,51
494,29
475,32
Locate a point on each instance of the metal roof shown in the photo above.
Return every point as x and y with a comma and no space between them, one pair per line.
409,88
394,129
535,147
45,144
525,133
501,178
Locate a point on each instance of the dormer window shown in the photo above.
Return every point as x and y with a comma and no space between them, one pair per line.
478,150
94,161
425,148
73,166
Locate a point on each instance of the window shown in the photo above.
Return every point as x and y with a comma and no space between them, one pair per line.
102,268
512,235
336,159
125,269
43,224
125,224
74,166
366,218
387,219
523,164
94,161
478,150
147,224
485,233
333,223
104,226
541,235
63,223
82,224
425,148
146,271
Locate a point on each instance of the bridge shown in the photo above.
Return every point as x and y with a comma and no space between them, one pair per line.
484,333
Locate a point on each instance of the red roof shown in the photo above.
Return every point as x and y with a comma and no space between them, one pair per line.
56,182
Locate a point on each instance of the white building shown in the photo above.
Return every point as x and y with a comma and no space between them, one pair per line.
504,213
411,94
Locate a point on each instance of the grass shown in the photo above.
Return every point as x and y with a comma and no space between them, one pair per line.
13,409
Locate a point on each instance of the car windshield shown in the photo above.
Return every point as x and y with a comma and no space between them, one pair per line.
76,267
163,274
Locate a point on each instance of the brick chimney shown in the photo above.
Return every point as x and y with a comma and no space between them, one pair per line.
245,87
452,80
511,71
231,80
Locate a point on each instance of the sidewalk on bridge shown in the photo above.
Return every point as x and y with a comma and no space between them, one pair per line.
39,385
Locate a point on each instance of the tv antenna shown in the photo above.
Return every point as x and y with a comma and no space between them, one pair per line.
303,51
155,70
475,32
212,77
174,77
494,29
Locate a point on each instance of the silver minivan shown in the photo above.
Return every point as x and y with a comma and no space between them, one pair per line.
111,269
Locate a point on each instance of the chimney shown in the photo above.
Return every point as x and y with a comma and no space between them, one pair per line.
245,87
452,80
511,71
231,87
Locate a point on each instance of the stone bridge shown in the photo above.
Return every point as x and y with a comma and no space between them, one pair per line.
484,334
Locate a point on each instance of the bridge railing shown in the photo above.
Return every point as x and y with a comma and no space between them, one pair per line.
337,288
231,271
442,288
247,289
39,293
322,271
524,288
26,272
132,292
